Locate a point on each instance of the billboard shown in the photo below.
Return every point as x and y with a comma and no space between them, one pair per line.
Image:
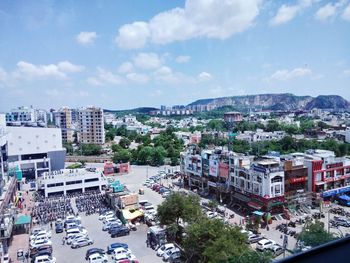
213,167
223,170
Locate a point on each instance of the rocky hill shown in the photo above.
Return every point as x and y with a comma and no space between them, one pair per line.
284,101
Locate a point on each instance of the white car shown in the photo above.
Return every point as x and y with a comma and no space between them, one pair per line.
98,258
103,216
85,241
122,253
40,233
109,218
164,248
45,259
75,237
211,214
40,242
265,244
111,223
6,258
168,253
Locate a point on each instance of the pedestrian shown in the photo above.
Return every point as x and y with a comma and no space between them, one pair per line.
63,240
147,242
51,225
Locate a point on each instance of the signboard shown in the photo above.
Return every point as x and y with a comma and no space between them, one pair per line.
298,180
259,169
223,170
213,184
334,165
213,168
336,191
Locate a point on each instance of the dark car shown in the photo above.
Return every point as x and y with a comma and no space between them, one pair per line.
35,251
59,228
93,251
113,246
113,228
122,231
43,252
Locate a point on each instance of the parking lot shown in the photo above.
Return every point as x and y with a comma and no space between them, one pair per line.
136,240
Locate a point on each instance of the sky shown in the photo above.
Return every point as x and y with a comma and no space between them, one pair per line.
126,54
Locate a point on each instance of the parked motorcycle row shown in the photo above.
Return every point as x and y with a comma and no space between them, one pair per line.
284,229
50,209
91,202
339,211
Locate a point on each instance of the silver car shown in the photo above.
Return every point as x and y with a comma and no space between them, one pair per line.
85,241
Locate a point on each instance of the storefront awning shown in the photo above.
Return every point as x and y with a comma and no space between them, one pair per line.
23,220
254,205
131,214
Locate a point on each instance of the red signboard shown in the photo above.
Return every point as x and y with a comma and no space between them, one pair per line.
333,165
298,180
223,170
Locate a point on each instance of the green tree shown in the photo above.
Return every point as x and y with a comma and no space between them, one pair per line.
272,125
145,155
211,240
91,149
110,135
177,210
124,143
122,156
68,147
314,234
158,155
216,125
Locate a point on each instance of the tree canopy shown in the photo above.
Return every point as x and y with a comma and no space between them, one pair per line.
314,234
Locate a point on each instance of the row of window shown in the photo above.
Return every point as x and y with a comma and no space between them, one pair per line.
73,182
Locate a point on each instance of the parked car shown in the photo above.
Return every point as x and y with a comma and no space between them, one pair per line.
164,248
98,258
122,231
45,259
40,242
254,238
104,215
93,250
277,250
6,258
111,223
75,237
122,253
39,234
113,246
338,221
35,251
45,252
114,228
59,228
169,253
82,242
265,244
211,214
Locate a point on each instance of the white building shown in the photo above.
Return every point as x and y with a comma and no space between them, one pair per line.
347,135
70,180
35,150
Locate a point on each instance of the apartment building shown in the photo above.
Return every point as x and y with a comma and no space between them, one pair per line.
26,116
91,126
63,120
328,175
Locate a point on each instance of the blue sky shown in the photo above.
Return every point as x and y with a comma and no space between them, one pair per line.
125,54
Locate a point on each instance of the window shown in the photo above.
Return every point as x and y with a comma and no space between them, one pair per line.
276,179
91,180
259,179
74,182
54,185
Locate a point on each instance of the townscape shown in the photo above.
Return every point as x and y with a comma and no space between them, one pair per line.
190,131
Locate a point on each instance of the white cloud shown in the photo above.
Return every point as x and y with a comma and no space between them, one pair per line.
104,77
4,78
328,10
182,59
287,12
204,76
147,60
199,18
132,36
138,78
126,67
86,38
157,93
30,71
346,72
284,74
68,67
346,13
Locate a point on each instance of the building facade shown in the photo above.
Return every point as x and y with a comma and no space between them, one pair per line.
63,120
91,126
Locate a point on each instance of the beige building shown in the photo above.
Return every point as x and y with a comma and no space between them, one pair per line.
63,119
91,126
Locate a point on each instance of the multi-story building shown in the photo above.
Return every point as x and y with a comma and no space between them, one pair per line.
63,119
328,176
34,150
26,116
91,126
70,180
232,118
260,184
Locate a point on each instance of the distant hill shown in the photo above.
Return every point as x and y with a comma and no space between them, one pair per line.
141,110
284,101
